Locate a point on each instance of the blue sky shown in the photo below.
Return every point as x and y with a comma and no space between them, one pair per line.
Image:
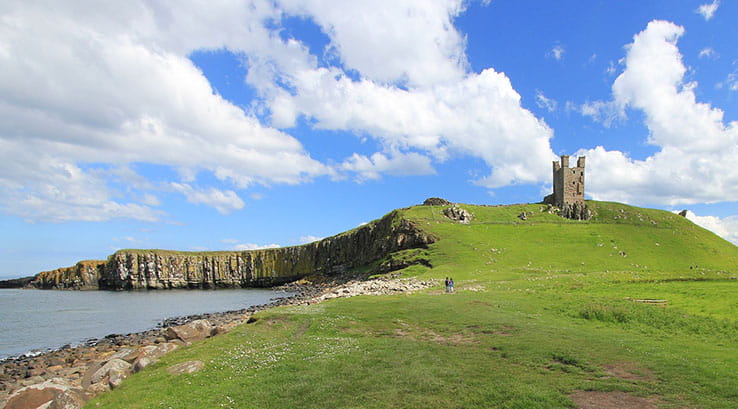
274,123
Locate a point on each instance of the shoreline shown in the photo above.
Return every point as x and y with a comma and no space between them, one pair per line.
73,365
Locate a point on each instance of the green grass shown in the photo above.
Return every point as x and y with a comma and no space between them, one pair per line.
542,310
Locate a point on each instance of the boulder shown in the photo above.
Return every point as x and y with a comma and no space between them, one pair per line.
52,394
142,363
127,354
151,353
117,376
194,331
114,365
185,367
97,388
157,351
458,214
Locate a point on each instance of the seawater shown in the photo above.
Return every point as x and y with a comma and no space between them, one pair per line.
37,320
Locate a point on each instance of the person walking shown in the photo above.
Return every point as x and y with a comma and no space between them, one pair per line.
447,285
450,285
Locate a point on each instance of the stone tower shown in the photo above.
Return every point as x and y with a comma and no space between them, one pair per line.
568,194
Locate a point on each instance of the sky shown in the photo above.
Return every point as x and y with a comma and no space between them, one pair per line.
209,125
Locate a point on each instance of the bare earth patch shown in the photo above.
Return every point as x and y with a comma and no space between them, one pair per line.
629,371
611,400
422,334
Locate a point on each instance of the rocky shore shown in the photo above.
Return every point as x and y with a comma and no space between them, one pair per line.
68,377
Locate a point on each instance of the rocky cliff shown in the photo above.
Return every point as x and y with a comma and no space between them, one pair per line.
158,269
81,276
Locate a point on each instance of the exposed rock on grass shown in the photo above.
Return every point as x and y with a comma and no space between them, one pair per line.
185,367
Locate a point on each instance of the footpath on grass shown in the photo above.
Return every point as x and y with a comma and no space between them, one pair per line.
68,377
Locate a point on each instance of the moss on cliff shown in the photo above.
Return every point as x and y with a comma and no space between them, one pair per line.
81,276
132,269
161,269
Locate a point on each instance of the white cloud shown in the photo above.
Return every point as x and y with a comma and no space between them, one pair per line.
225,201
252,246
611,68
399,164
557,52
708,10
726,228
732,81
480,116
114,86
707,52
309,239
545,103
604,112
697,150
390,41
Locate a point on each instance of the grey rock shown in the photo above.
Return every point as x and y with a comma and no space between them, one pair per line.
185,367
117,376
458,214
436,201
127,354
194,331
117,365
52,394
142,363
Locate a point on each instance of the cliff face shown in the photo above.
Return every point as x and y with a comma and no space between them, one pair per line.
81,276
155,269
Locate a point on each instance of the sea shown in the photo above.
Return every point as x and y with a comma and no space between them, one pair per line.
34,321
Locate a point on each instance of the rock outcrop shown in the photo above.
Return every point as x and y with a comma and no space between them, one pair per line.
17,282
436,201
458,214
81,276
576,211
162,269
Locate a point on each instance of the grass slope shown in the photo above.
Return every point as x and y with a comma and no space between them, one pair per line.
543,309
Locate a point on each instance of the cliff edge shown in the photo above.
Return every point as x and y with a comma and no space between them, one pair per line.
164,269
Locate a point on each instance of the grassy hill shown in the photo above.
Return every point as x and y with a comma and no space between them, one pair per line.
548,313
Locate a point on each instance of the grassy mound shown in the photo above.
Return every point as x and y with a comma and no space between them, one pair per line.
636,307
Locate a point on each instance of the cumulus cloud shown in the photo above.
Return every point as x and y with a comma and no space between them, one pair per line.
388,41
708,10
726,228
85,94
116,87
368,168
480,115
225,201
697,149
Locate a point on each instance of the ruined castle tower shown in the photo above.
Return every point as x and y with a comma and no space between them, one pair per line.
568,194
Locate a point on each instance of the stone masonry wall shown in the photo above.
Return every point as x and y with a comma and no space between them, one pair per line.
568,182
568,192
